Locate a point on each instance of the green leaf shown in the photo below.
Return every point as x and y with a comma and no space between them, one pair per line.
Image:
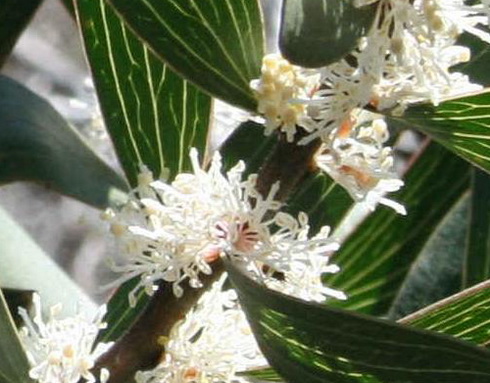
461,125
325,202
436,273
308,342
316,33
120,315
464,315
152,115
215,44
13,21
247,143
477,260
375,259
36,144
24,266
477,67
14,367
263,375
16,298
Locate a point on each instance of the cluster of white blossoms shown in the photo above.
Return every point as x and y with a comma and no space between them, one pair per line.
213,343
174,231
405,58
62,350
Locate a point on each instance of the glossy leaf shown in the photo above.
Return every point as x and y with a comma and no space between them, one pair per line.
38,145
308,342
152,115
477,260
375,259
215,44
14,367
24,266
317,33
464,315
437,271
13,21
461,125
120,316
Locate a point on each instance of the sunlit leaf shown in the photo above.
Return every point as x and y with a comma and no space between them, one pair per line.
320,32
216,44
464,315
153,116
37,144
375,259
308,342
461,125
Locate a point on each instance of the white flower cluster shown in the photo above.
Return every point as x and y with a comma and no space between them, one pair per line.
172,232
62,350
405,58
212,344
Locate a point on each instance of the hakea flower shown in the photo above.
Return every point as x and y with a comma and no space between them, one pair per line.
405,58
213,343
280,92
172,232
357,159
62,350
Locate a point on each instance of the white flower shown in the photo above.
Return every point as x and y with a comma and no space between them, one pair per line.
212,344
62,350
357,160
173,231
281,91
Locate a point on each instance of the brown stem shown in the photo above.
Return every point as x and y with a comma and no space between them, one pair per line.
139,349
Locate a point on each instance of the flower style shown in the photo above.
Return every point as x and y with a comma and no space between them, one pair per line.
62,350
358,161
172,232
212,344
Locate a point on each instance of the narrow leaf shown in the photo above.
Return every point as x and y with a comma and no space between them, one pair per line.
375,259
461,125
16,298
464,315
13,21
436,273
215,44
477,260
120,316
152,115
318,33
36,144
308,342
14,367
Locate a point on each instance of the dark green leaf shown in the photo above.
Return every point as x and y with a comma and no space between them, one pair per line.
316,33
477,67
377,256
13,20
325,202
247,143
477,262
36,144
153,116
216,44
24,266
464,315
14,367
436,273
264,375
308,342
16,298
120,316
461,125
